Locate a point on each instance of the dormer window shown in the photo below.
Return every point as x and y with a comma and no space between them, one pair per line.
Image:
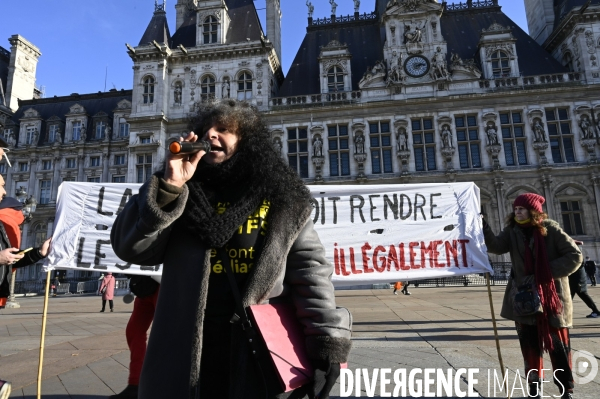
30,133
207,86
335,79
76,131
244,86
123,128
52,133
100,130
210,27
500,64
148,90
145,140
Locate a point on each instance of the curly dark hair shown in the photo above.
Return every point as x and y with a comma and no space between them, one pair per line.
537,220
254,149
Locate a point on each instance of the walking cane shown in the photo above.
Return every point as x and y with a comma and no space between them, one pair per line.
487,280
39,378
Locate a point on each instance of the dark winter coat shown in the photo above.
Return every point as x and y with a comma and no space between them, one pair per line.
29,258
563,255
578,282
292,265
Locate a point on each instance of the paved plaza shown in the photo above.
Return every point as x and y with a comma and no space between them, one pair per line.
86,353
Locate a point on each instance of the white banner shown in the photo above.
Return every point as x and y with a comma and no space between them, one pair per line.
371,233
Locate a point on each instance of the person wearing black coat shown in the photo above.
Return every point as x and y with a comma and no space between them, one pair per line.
590,269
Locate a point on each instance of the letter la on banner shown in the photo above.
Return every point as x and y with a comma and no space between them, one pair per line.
371,233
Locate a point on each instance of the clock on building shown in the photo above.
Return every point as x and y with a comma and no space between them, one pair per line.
416,66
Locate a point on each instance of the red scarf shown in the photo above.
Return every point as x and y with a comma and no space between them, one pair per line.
545,284
12,218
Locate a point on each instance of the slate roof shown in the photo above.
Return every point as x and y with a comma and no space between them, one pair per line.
244,25
60,106
364,43
461,30
158,29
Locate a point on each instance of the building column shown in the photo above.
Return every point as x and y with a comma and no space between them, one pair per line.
32,186
55,180
546,182
499,184
105,167
80,160
596,182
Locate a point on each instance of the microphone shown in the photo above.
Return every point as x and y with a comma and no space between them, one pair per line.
186,147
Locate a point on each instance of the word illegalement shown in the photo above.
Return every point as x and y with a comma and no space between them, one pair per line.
412,255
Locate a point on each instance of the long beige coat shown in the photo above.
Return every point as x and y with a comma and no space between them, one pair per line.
564,257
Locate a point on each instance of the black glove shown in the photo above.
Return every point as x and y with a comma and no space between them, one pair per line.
326,374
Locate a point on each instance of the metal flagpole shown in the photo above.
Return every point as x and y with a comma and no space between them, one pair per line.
487,280
42,339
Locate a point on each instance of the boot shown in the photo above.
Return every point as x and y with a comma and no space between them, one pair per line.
567,395
130,392
533,390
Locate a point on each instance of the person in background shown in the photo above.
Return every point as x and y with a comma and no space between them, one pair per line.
397,286
578,285
590,269
107,290
145,289
10,239
405,288
539,247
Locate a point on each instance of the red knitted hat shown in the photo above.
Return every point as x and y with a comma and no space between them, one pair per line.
530,201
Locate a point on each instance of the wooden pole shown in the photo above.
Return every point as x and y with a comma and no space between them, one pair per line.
487,280
42,339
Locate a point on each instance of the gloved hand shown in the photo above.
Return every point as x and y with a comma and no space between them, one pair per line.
326,374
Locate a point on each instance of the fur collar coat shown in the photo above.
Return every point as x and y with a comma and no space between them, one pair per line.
292,264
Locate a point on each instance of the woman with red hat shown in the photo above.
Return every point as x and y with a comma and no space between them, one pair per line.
541,252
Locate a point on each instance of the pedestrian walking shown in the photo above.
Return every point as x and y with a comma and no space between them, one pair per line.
405,288
145,289
542,257
590,270
236,218
578,285
397,286
107,290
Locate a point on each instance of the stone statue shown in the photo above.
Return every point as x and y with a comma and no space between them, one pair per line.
333,6
402,140
587,131
356,5
438,62
35,137
413,36
318,147
177,94
446,137
225,88
107,132
311,9
359,144
492,135
598,123
538,131
11,140
83,134
278,146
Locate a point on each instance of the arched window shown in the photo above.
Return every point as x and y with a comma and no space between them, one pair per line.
209,29
567,61
500,64
335,79
244,86
148,90
207,85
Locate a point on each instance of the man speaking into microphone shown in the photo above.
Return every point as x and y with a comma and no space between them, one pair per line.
229,219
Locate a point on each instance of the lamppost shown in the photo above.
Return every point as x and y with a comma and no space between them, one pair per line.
29,205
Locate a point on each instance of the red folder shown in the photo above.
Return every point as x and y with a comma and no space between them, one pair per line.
284,338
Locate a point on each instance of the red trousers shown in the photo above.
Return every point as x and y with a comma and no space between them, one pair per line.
136,333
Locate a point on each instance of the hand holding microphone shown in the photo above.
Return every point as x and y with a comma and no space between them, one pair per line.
188,147
183,157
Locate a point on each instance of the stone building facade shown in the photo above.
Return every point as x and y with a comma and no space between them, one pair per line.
417,91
